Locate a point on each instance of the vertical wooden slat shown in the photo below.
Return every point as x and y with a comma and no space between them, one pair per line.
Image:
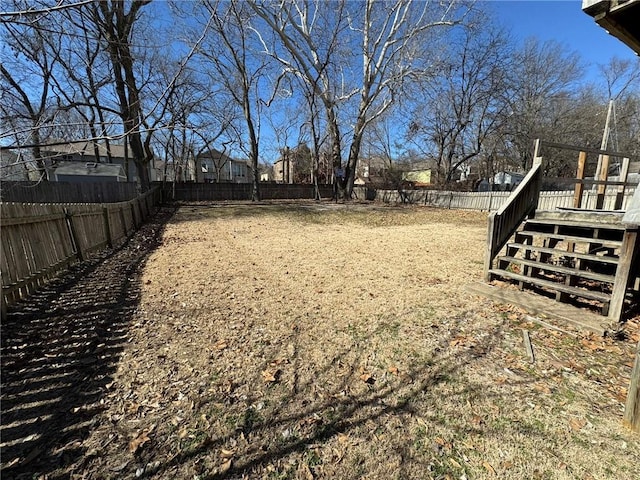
624,174
123,221
628,253
603,175
632,406
73,235
577,199
107,227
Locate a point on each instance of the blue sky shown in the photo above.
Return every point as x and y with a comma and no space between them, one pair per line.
565,22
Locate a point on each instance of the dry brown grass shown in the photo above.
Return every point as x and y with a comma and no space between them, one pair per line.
301,341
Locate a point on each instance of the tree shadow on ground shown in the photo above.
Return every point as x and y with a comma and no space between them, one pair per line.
60,348
336,413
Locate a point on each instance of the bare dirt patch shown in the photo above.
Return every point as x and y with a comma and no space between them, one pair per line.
337,341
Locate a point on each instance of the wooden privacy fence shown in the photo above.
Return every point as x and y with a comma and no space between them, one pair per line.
68,192
39,240
200,192
490,201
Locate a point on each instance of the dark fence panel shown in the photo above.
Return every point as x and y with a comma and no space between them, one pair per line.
67,192
203,192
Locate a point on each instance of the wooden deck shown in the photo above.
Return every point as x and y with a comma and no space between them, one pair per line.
574,252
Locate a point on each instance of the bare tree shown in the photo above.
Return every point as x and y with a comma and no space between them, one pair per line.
310,33
84,76
228,55
623,90
544,74
27,72
467,105
115,19
321,38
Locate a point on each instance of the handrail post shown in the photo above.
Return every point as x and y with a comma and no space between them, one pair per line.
603,175
577,196
536,150
489,254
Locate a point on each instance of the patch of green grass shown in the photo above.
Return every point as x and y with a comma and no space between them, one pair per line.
441,469
391,328
195,441
356,333
285,474
420,439
532,427
312,458
501,423
581,442
251,419
568,394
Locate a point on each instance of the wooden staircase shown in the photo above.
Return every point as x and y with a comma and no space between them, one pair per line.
572,257
585,255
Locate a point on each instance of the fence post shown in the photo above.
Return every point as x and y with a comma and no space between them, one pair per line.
133,215
107,227
73,235
632,407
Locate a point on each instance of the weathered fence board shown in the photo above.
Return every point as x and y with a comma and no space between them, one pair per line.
39,240
68,192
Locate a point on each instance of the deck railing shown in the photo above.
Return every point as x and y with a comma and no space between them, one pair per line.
504,222
601,177
524,200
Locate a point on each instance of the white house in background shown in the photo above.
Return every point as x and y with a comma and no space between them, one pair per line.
13,168
214,166
507,180
178,172
87,172
84,152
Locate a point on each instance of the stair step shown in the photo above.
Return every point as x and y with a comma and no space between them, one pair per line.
597,218
572,238
576,223
598,277
559,287
552,251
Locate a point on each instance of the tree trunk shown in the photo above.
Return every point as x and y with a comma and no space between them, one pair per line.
37,155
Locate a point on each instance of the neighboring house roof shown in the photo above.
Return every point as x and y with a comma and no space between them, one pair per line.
84,148
214,154
621,18
90,169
